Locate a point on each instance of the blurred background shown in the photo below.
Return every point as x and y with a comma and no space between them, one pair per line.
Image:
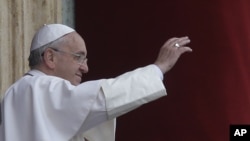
208,89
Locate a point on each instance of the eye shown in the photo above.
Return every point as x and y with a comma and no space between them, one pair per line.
78,56
83,59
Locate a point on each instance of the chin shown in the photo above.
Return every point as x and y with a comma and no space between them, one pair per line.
77,83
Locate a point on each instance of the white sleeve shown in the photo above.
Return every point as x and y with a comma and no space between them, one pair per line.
131,90
157,69
123,94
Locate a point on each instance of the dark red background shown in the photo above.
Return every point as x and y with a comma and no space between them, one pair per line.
208,89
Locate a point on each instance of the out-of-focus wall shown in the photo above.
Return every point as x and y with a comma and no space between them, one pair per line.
19,19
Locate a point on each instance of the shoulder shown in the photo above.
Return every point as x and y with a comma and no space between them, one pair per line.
28,83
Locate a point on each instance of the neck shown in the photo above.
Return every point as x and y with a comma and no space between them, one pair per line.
43,69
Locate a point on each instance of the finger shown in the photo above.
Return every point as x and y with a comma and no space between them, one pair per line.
183,41
184,49
170,42
180,41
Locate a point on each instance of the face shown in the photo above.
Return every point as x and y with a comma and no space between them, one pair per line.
67,63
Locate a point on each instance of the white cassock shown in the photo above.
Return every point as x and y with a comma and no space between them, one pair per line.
39,107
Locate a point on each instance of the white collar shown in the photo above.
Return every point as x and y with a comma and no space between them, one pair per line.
35,72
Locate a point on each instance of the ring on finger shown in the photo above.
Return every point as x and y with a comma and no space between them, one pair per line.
177,45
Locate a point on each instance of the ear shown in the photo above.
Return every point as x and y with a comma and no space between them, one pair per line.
49,58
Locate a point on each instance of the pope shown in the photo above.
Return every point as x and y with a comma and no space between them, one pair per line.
49,103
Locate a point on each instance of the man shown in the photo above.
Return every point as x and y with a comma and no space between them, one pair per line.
49,103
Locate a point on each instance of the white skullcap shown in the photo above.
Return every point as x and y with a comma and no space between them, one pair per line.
49,33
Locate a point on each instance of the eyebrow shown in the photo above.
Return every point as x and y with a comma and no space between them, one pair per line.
81,52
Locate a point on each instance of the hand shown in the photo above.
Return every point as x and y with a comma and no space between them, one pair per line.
170,53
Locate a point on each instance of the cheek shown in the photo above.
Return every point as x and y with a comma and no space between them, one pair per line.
67,64
67,69
70,69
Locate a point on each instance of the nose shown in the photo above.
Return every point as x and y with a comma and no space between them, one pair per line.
84,68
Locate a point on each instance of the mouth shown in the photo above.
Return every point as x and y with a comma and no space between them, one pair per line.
79,75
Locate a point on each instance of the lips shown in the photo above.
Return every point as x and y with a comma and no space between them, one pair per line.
80,75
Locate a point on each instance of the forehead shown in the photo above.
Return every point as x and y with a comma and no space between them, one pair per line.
75,43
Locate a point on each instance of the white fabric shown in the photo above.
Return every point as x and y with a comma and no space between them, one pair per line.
42,107
123,95
49,33
103,132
